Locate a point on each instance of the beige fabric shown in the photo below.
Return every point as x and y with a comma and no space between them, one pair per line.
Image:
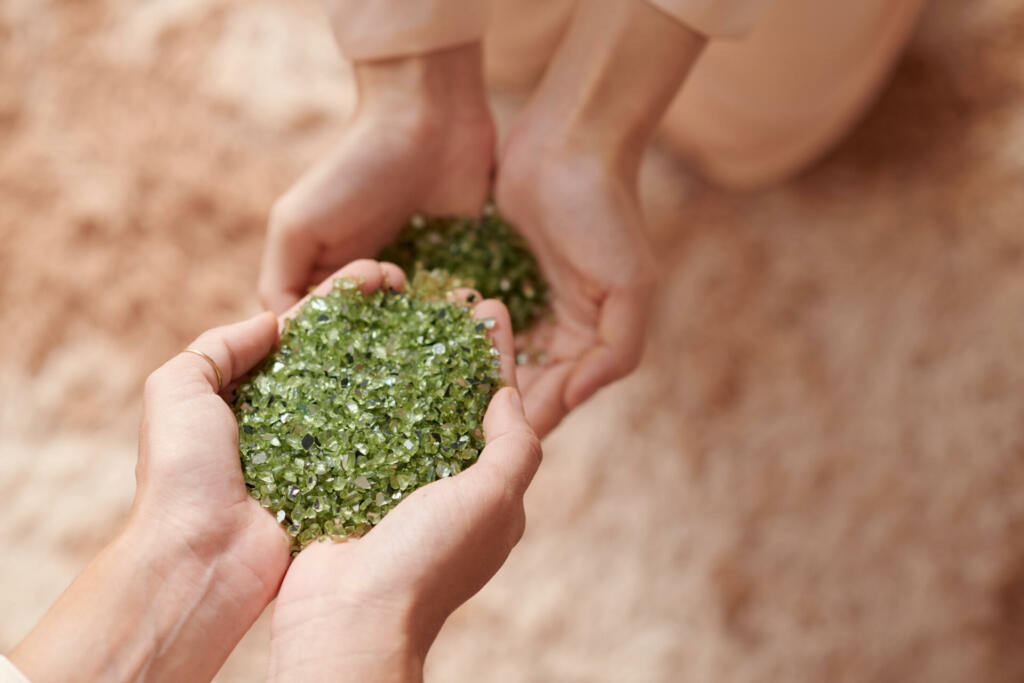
716,18
758,110
10,673
522,37
754,110
374,29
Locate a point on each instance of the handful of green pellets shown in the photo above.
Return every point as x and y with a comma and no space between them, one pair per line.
487,254
365,399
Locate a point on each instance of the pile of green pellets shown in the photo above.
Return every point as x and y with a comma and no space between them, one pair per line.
485,253
365,399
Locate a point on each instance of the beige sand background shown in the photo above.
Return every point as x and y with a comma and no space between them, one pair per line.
816,475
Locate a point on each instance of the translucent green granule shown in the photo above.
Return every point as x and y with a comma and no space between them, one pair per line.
365,399
487,254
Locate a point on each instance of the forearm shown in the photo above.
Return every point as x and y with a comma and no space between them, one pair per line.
142,610
615,74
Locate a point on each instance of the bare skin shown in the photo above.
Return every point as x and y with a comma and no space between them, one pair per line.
567,179
421,140
199,559
369,609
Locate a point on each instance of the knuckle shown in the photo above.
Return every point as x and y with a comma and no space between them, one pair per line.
229,362
213,343
210,342
499,494
525,441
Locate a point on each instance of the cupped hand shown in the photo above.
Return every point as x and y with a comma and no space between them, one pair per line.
198,560
190,482
581,217
369,608
190,491
420,140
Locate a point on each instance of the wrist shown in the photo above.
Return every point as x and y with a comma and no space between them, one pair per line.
199,570
447,85
335,639
614,76
146,606
191,604
131,613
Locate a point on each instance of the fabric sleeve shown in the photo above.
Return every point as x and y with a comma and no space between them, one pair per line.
10,673
716,18
378,29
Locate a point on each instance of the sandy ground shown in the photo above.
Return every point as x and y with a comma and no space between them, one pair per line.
816,474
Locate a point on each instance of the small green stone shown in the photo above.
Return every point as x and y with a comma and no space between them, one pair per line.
365,399
487,254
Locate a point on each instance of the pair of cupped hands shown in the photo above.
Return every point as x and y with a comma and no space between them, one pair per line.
366,609
199,559
425,148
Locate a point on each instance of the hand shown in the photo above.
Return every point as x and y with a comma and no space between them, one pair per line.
582,220
198,560
567,179
421,140
190,483
369,608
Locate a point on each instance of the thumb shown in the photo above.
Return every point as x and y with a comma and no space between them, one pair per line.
512,446
286,270
224,355
622,328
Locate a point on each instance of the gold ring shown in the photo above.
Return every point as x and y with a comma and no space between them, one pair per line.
213,364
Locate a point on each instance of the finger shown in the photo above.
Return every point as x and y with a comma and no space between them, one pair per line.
235,349
513,448
394,277
545,397
500,331
368,274
501,336
533,344
527,375
622,328
287,263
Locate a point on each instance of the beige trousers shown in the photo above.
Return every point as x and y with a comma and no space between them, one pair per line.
757,109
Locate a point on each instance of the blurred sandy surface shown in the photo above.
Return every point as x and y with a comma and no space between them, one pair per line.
817,473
